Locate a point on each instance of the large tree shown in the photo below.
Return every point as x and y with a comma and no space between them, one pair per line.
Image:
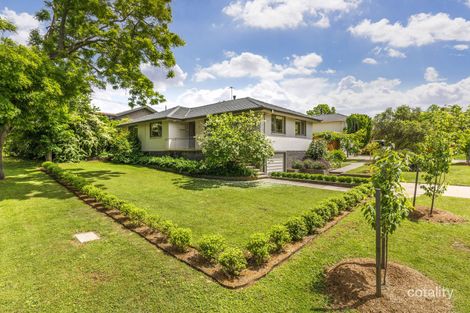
321,108
87,43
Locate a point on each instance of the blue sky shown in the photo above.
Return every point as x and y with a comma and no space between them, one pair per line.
360,56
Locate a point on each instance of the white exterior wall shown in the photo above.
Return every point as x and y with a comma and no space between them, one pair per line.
288,141
329,126
153,143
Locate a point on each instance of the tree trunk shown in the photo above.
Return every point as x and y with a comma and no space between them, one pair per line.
49,156
3,137
433,196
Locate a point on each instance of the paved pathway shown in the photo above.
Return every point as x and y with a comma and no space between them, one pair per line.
452,191
347,168
297,183
360,157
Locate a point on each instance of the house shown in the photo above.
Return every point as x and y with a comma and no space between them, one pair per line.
131,114
330,122
173,131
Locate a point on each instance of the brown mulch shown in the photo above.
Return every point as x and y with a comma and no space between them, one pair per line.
421,213
351,285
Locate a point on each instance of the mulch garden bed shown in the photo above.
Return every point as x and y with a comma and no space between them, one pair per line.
421,213
351,285
192,258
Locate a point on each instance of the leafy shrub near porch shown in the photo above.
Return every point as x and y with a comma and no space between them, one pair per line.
211,246
321,177
259,247
232,261
180,238
317,150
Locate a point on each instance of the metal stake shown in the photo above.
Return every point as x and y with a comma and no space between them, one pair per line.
378,270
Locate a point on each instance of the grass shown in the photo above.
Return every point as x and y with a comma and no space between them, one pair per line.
42,269
233,209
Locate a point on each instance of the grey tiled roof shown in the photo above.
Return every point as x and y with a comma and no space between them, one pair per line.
135,110
237,105
335,117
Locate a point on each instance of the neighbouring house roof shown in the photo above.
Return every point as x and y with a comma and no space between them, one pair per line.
335,117
236,105
120,114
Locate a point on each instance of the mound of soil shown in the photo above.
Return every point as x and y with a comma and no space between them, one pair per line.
438,216
351,285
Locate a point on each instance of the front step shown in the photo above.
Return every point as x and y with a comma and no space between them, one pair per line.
259,173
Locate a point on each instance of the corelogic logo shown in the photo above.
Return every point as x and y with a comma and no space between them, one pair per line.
438,292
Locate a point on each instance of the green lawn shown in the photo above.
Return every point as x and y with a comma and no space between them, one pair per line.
459,174
42,269
234,209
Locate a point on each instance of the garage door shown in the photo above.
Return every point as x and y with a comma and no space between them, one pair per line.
276,163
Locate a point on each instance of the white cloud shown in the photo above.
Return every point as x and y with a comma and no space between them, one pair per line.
467,2
370,61
461,47
431,74
422,29
158,76
329,71
24,23
286,13
395,53
252,65
110,100
348,95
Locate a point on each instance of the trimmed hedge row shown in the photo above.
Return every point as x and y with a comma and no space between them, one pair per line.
213,247
193,167
322,178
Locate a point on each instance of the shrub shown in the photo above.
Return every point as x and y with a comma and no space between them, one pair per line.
211,246
167,226
312,221
317,150
279,236
341,203
315,165
137,215
152,221
337,157
296,228
259,247
297,164
232,261
180,238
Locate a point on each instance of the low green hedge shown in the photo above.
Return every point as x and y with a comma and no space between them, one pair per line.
213,247
193,167
322,178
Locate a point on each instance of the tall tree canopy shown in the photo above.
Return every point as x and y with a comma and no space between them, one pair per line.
322,108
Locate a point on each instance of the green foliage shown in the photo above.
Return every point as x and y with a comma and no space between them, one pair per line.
371,148
236,140
315,165
167,226
210,246
436,159
321,177
259,247
112,42
337,157
357,122
394,206
312,221
279,236
321,109
180,238
232,261
296,227
317,150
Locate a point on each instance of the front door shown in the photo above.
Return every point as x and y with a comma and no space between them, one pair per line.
191,135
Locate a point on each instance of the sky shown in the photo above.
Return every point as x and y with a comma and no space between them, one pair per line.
361,56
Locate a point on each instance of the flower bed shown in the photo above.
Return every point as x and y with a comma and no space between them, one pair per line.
231,267
319,178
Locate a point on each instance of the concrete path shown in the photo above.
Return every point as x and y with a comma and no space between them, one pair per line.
301,184
360,157
452,191
347,168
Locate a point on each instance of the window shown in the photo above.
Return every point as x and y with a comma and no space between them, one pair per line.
278,124
300,128
156,129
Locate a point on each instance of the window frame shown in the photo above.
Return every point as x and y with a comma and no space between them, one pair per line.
161,130
273,124
303,128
